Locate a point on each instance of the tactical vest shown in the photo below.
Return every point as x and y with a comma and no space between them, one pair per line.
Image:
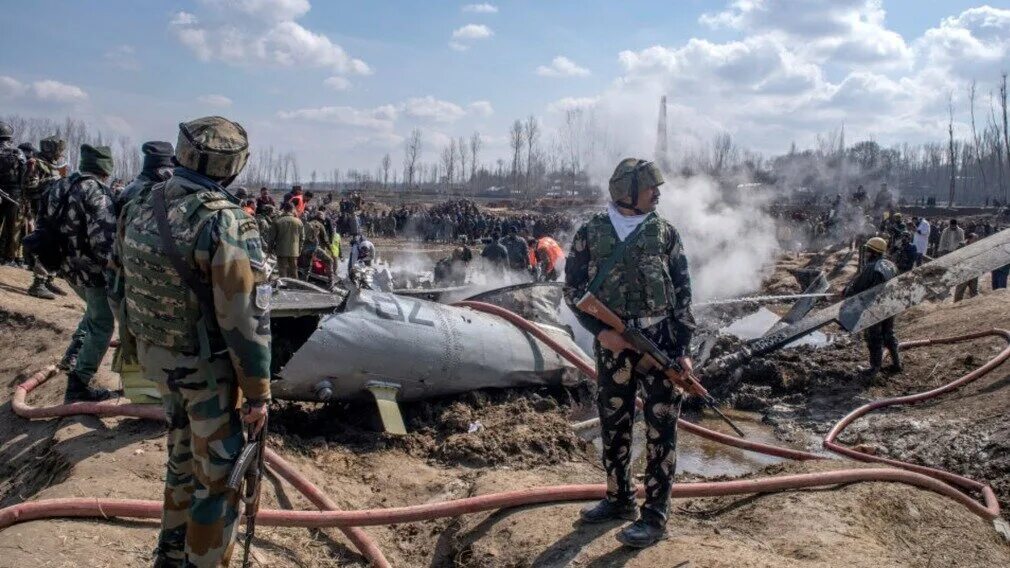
639,285
161,308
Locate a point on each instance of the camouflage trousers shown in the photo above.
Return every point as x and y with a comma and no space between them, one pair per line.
619,382
205,437
10,229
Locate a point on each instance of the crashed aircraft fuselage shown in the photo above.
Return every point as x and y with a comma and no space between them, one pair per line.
422,348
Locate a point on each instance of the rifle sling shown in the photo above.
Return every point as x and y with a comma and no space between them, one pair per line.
615,256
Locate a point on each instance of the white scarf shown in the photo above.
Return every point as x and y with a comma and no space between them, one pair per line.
623,224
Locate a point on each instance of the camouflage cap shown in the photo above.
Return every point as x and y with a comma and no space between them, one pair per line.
6,132
213,146
52,147
631,175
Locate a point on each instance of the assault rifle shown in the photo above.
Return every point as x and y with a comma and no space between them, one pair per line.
653,356
6,197
249,468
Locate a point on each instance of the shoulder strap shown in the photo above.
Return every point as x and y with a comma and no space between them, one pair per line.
203,293
615,256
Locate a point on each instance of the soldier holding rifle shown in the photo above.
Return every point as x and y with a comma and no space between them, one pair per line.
627,265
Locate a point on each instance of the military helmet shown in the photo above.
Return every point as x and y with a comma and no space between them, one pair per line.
213,146
877,244
630,176
6,132
52,147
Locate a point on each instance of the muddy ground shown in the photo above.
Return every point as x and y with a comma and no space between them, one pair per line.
523,440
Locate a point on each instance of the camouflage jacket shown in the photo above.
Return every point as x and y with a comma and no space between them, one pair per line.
227,256
38,175
89,224
577,279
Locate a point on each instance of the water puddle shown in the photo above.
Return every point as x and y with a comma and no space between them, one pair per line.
698,456
758,323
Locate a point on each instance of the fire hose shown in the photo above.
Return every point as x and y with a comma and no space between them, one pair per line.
937,481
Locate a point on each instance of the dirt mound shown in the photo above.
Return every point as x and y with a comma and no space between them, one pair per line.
498,428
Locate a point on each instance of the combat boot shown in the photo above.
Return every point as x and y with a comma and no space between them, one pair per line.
607,510
54,288
78,390
39,290
895,366
642,533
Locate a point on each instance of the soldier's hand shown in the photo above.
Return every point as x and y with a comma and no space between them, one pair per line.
256,415
613,341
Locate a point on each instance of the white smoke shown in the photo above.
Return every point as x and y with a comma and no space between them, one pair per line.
730,240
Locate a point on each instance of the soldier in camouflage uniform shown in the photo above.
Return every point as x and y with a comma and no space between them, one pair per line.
88,223
12,167
649,287
202,344
43,171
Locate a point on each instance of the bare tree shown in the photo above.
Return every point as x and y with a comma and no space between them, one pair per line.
449,163
462,148
951,153
475,145
976,139
1006,134
531,130
996,145
412,151
516,142
387,163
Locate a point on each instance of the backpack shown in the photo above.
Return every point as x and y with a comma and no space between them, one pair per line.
47,243
11,165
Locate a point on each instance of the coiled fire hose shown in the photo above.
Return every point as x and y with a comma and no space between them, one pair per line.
930,479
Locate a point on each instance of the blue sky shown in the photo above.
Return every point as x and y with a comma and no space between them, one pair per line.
359,75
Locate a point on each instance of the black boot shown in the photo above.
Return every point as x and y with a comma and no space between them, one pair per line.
69,360
609,511
895,366
54,288
642,533
39,290
78,390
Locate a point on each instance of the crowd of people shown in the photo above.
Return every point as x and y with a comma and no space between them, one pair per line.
455,221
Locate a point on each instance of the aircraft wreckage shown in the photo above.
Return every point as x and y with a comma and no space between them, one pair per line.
345,345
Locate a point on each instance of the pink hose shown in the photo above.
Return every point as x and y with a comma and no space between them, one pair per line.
925,478
358,537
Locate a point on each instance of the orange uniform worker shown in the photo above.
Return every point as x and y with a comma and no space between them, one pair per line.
547,253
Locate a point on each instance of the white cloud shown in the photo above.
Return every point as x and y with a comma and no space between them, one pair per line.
217,101
435,110
472,31
379,118
483,8
183,19
572,103
56,92
11,88
456,46
839,30
267,10
123,57
269,37
480,108
46,91
562,67
338,83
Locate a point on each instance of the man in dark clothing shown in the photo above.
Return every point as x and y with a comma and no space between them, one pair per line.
518,252
157,168
495,256
263,200
12,169
876,270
